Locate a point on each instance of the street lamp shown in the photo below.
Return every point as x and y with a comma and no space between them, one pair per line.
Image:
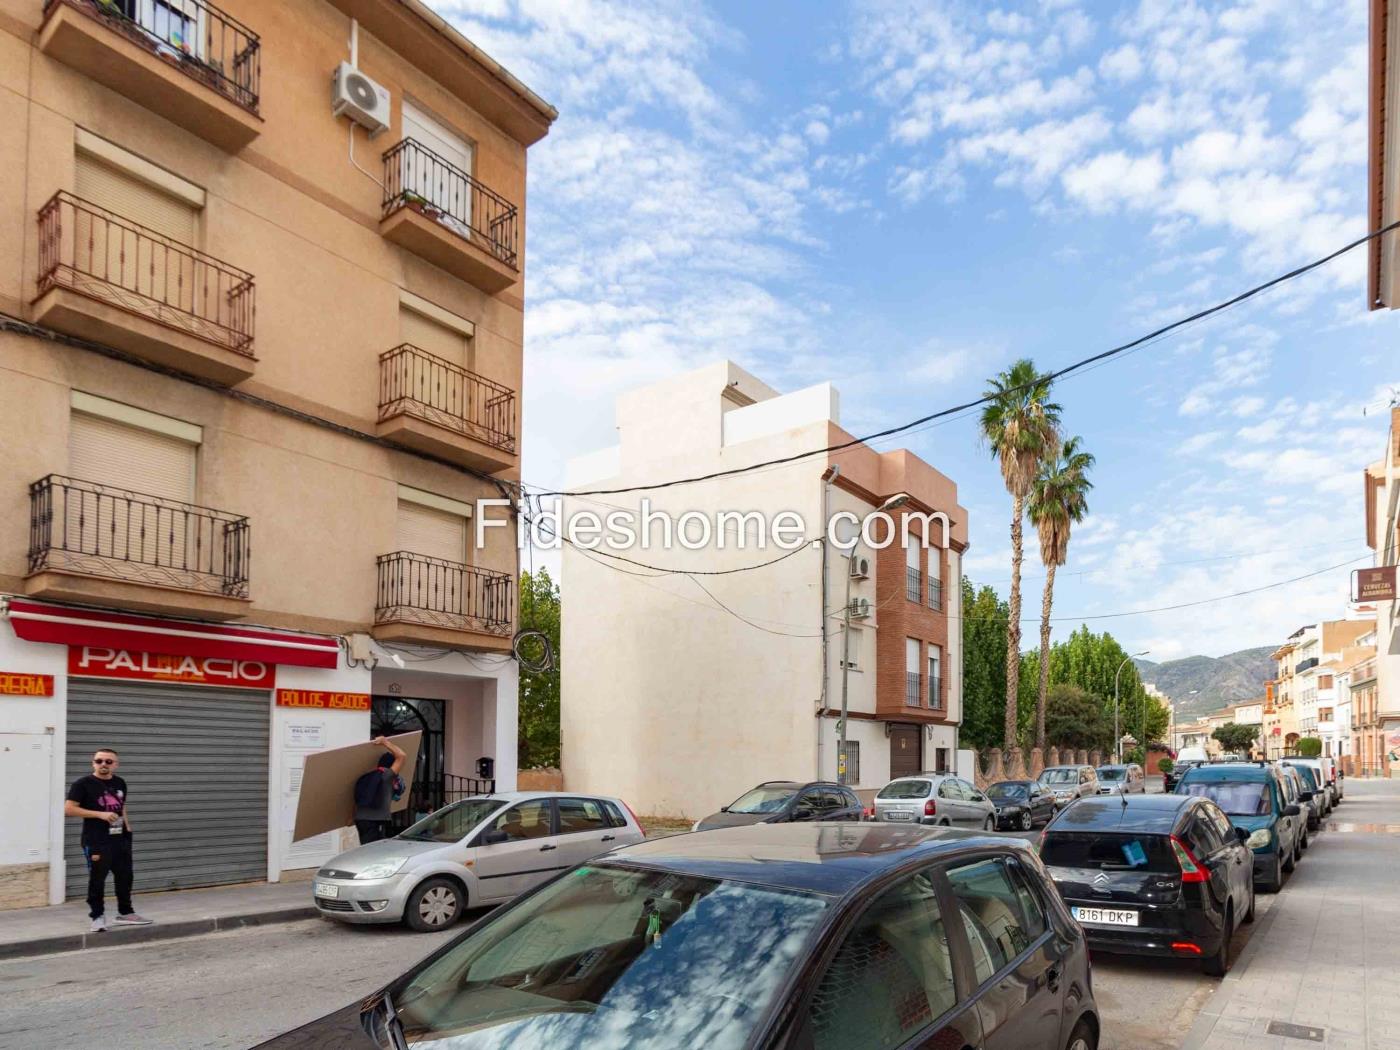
897,500
1117,743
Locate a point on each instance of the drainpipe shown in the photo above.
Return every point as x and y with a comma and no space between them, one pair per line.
830,473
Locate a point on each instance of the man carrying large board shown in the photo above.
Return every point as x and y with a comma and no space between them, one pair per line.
376,790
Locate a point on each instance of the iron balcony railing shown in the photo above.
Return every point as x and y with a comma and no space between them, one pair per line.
413,382
97,253
200,40
81,526
935,594
913,584
416,177
429,796
913,689
935,690
415,588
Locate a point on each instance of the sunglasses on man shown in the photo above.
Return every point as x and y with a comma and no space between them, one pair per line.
104,761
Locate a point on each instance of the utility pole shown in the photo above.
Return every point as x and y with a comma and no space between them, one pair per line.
1117,741
897,500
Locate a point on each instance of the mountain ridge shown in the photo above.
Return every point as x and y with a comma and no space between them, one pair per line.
1201,684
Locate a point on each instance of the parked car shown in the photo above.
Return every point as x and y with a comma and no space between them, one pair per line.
1317,805
781,801
814,936
1255,797
1121,780
938,799
1305,798
1153,875
473,852
1324,774
1021,803
1069,783
1180,768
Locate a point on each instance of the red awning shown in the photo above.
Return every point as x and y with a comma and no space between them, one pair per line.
65,625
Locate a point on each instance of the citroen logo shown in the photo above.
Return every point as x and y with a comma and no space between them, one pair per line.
1100,880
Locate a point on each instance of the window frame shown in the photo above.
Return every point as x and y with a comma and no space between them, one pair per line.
480,839
960,934
559,816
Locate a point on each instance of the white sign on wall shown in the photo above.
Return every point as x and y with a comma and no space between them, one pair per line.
302,736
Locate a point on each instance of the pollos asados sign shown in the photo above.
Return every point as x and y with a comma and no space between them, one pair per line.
97,662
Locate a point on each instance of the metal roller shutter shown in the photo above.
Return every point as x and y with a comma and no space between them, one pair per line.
134,199
196,763
427,334
432,532
128,457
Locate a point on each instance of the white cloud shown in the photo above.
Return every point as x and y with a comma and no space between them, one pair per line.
1122,64
1114,178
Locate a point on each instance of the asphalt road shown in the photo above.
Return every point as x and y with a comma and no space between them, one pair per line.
233,990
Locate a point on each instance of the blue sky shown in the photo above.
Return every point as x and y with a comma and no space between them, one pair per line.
904,198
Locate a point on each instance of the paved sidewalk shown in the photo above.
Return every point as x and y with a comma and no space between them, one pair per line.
1327,959
179,913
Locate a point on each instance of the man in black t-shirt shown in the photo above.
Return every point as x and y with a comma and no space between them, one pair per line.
100,799
375,792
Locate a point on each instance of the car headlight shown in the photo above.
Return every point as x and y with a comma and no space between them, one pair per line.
1259,839
382,870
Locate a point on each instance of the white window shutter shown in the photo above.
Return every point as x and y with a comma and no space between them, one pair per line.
432,532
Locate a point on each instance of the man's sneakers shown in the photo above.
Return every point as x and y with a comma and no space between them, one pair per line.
99,925
131,920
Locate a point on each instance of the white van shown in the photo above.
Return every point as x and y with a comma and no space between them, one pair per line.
1192,754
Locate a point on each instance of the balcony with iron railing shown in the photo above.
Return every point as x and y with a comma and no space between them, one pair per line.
431,404
442,213
187,60
935,691
90,542
105,278
913,584
437,602
913,689
935,594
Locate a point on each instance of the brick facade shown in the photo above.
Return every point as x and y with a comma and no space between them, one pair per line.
901,618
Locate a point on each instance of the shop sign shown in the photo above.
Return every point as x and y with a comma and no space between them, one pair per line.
13,683
97,662
1374,585
323,700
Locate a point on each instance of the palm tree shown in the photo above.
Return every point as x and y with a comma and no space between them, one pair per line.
1059,500
1021,427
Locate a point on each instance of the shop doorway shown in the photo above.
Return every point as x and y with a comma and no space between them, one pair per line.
906,750
401,714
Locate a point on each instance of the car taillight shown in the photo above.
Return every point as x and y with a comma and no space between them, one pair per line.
930,808
1191,870
635,821
868,813
1186,946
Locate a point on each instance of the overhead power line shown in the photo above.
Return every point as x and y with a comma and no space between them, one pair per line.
965,406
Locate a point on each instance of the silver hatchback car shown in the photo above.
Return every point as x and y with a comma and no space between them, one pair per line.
937,799
478,851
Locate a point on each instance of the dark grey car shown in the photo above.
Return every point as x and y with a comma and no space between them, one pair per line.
782,801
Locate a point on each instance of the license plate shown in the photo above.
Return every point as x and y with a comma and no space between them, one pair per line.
898,814
326,890
1106,916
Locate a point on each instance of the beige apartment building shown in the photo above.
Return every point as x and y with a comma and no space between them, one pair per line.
261,275
1305,691
1382,487
680,692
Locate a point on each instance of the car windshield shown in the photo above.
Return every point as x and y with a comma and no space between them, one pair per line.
1110,773
1060,776
1007,791
905,789
1309,777
452,823
1109,851
1238,798
768,798
608,958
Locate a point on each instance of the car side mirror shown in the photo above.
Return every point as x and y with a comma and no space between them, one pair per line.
1291,811
724,809
494,837
1307,796
803,813
1242,834
979,797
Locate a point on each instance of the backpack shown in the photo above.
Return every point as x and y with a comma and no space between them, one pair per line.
370,789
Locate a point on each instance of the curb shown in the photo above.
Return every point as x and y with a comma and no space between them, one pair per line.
156,932
1204,1024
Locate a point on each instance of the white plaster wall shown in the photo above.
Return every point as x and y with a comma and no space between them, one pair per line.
767,418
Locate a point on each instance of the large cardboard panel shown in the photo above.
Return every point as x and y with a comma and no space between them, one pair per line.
327,799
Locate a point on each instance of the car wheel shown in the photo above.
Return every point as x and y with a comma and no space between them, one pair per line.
435,905
1249,915
1026,821
1303,844
1292,861
1276,883
1218,965
1083,1037
989,824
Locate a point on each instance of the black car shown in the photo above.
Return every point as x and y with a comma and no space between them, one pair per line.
1172,778
1021,804
781,801
1153,875
799,937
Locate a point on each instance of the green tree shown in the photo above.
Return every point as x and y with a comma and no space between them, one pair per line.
1075,718
984,665
1091,661
1236,738
1059,500
1020,424
539,691
1308,747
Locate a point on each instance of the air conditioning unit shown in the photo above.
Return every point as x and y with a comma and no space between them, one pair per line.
860,568
860,608
356,96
